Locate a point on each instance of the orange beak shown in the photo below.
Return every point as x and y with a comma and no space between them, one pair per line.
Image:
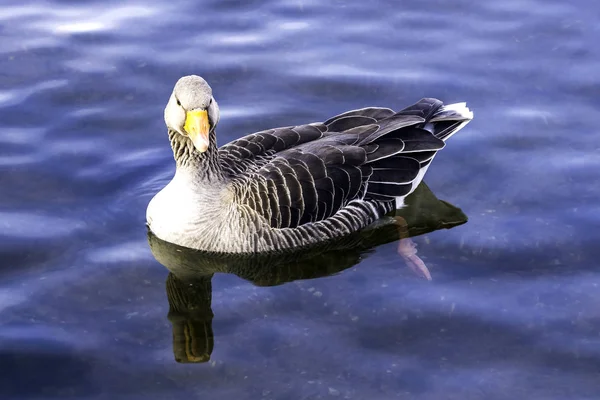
197,127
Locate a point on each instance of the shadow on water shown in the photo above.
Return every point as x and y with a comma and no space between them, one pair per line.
189,284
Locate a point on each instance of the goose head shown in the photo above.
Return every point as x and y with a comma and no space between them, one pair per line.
192,111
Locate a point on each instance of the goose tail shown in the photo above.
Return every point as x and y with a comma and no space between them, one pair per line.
449,119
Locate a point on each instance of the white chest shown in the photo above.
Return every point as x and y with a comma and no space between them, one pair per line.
187,215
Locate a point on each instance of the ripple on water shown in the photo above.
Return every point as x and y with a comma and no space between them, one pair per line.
121,253
35,226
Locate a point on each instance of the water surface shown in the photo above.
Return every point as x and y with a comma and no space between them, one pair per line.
512,309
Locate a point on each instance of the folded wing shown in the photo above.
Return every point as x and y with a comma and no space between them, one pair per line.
297,175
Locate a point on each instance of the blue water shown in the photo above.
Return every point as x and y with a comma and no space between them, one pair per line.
512,310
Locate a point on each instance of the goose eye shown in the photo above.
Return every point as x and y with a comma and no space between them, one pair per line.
178,102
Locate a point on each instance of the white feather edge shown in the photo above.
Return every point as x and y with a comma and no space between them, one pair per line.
459,108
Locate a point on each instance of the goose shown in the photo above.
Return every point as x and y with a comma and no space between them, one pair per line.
291,187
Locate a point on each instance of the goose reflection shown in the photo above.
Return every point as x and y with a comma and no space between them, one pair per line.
189,288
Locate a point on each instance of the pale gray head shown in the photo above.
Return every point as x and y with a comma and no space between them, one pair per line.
192,110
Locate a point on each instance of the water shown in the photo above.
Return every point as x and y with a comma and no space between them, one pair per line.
512,308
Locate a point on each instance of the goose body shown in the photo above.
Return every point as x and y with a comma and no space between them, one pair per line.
294,186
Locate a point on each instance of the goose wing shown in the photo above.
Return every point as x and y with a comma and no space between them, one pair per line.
255,150
297,175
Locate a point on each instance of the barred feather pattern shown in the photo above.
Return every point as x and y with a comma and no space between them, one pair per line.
205,166
296,186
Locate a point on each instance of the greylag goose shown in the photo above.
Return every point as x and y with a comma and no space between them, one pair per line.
291,187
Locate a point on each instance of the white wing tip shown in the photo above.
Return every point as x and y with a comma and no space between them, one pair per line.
459,108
